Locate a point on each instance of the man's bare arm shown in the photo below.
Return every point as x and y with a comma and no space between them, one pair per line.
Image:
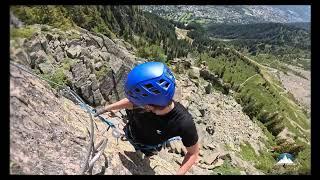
190,158
122,104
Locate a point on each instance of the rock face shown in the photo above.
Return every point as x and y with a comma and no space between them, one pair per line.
86,55
220,122
48,135
14,21
298,86
48,132
41,129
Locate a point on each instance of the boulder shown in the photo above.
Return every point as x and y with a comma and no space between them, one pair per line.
38,58
49,37
105,56
202,111
95,83
14,21
80,74
86,92
104,49
46,68
210,130
97,96
21,56
217,164
85,52
42,139
35,45
97,39
74,42
111,46
56,43
120,77
120,42
194,111
209,157
177,148
187,64
208,88
89,64
98,66
211,146
96,56
74,51
59,54
106,85
185,103
89,41
206,74
115,63
44,44
194,73
212,166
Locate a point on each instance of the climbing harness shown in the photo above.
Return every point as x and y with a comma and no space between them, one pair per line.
141,146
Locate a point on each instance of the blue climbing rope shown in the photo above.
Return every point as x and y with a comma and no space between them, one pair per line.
88,108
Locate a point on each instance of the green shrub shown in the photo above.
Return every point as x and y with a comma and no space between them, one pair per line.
67,63
58,77
153,53
226,169
102,72
26,32
55,16
264,161
304,160
74,36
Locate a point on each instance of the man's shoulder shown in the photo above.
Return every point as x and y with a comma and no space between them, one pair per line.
183,113
179,106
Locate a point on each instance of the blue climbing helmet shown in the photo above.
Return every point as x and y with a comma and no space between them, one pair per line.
150,83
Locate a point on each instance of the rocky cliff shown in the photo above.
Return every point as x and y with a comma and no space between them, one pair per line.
49,132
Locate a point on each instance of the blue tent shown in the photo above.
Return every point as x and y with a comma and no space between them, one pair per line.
281,156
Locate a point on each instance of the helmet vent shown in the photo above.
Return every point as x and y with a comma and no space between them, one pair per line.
148,86
134,97
137,90
169,75
156,91
145,95
167,85
161,81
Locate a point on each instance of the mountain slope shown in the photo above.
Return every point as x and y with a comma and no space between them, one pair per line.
55,124
244,14
140,28
269,33
235,97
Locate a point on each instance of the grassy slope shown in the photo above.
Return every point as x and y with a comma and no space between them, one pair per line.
264,89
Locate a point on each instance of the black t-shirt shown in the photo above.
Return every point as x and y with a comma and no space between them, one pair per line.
149,128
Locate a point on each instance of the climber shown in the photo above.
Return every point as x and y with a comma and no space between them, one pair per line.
153,115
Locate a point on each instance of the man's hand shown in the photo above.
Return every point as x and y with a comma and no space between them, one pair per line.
99,111
189,159
103,110
114,107
177,147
